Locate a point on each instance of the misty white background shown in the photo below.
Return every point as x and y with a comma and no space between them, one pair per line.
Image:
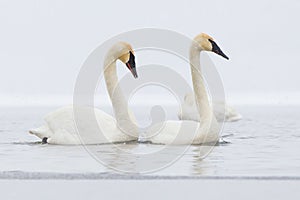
44,43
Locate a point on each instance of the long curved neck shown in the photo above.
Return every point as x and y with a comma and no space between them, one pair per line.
116,96
201,96
119,103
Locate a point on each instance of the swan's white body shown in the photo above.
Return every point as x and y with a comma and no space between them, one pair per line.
222,111
60,127
190,132
183,133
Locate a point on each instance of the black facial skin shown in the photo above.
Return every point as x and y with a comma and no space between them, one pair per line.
131,64
216,49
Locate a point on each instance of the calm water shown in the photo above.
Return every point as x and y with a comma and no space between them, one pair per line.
265,143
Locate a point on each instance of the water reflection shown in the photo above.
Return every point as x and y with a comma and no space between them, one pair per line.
136,157
197,162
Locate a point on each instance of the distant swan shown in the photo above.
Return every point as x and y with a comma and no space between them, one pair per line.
60,127
207,131
221,110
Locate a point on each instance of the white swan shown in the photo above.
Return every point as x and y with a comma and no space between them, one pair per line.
221,110
60,127
192,132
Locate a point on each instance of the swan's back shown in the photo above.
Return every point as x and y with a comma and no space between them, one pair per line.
63,127
221,110
181,133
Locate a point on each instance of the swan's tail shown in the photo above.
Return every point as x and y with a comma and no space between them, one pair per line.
41,132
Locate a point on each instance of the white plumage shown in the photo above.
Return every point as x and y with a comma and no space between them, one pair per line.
222,111
62,128
203,130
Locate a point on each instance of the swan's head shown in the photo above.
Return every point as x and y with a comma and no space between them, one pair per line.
124,52
207,43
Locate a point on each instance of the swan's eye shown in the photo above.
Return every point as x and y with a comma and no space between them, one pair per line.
211,41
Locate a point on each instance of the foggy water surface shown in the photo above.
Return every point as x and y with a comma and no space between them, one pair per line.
265,143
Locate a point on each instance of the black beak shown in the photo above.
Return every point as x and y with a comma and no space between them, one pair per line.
216,49
131,64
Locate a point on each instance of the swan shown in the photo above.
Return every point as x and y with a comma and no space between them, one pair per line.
60,127
192,132
222,111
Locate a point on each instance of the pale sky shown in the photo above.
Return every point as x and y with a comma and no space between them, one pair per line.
44,43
